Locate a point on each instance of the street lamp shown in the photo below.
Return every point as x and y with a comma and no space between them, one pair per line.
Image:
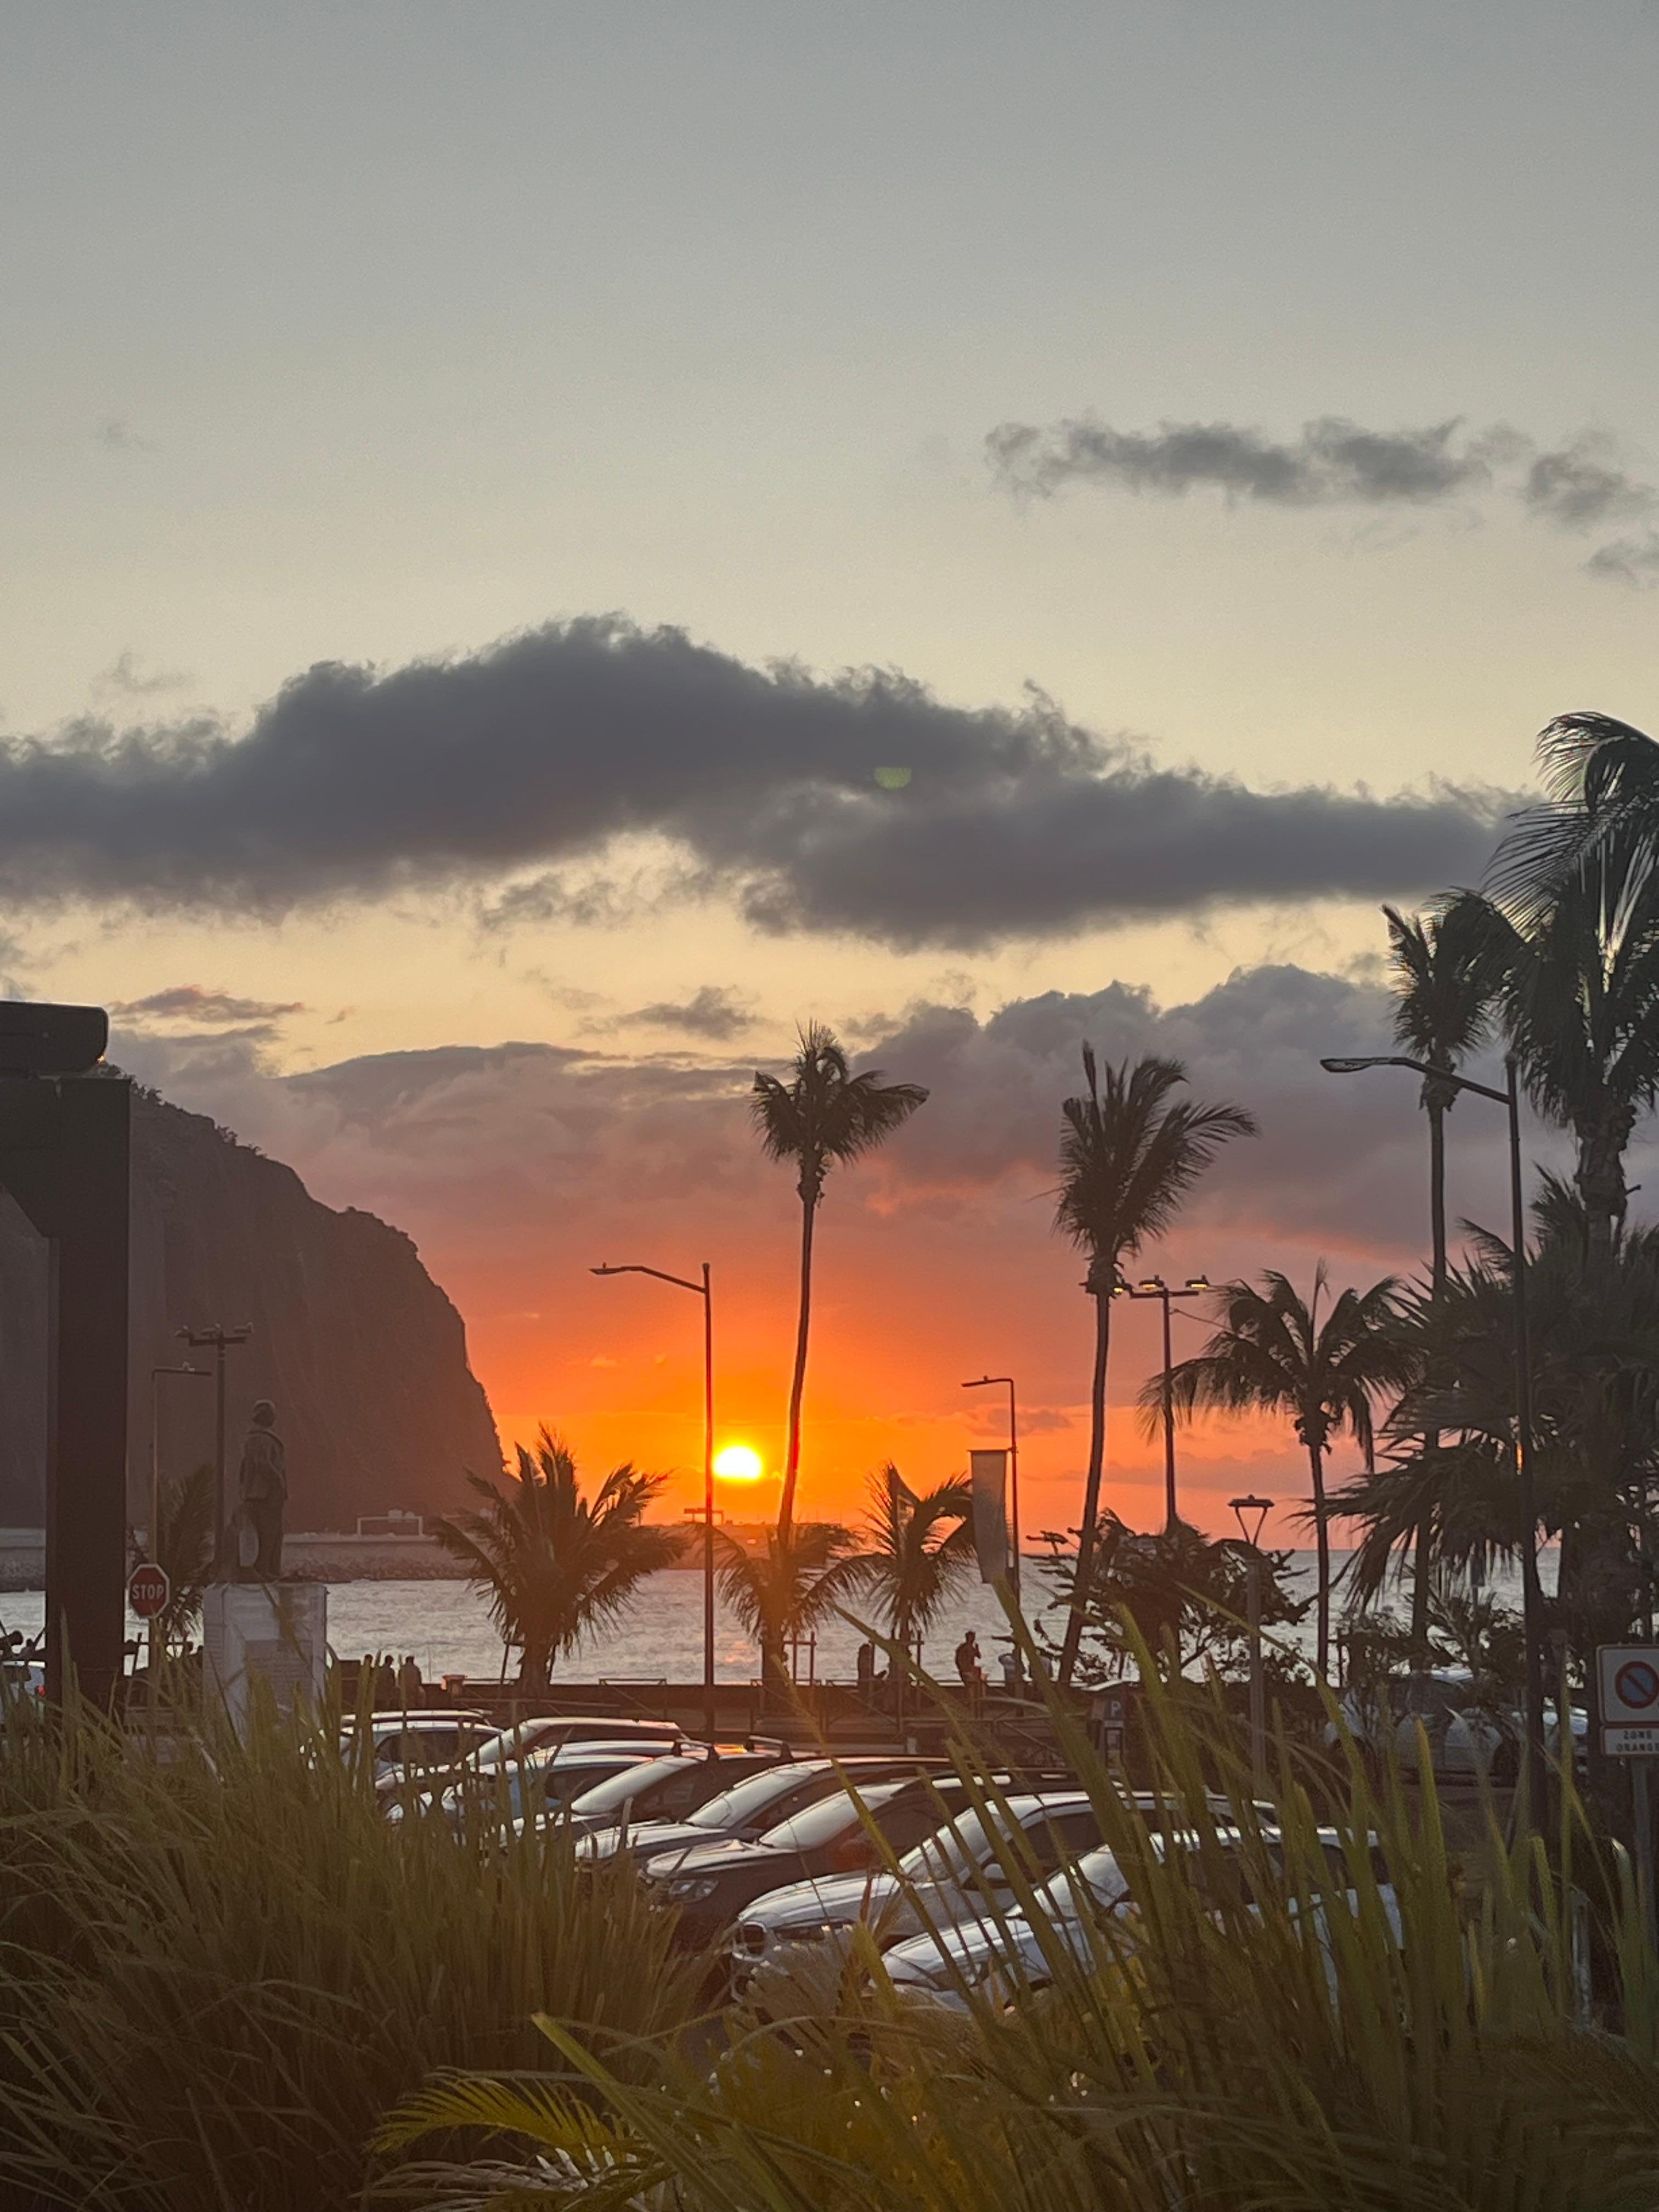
1258,1508
1532,1601
156,1374
1154,1286
702,1291
980,1383
219,1341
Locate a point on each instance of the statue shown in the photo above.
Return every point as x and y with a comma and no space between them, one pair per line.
263,1485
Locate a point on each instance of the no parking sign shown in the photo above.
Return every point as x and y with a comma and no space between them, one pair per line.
1629,1676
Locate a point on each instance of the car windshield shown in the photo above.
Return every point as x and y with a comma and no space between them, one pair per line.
951,1850
510,1745
1097,1872
560,1782
609,1797
823,1822
734,1808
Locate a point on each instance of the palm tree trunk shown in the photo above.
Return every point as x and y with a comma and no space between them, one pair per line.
797,1383
1085,1549
1322,1538
1425,1543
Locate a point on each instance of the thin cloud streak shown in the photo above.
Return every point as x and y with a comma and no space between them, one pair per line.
1579,485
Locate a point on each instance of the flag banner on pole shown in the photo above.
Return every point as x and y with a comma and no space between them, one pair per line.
989,1483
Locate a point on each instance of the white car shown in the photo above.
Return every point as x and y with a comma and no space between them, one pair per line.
1008,1958
798,1938
1465,1738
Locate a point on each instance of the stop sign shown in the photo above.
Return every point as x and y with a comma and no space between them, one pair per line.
149,1590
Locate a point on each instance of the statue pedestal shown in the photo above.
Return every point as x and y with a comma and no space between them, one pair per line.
271,1632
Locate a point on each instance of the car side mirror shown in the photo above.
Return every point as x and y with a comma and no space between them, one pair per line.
854,1852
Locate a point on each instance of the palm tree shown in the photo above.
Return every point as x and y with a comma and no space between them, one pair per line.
919,1552
1594,1327
184,1551
1274,1354
1128,1156
823,1117
1443,1012
1571,934
557,1563
787,1590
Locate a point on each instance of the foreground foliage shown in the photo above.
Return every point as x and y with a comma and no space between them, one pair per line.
1260,2032
216,1974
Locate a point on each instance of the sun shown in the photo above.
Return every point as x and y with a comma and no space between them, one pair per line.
739,1463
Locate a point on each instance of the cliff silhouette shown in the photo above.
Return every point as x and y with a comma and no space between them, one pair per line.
362,1353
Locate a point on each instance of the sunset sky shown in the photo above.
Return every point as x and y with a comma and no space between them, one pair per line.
487,490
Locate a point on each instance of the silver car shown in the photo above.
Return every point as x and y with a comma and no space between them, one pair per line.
793,1942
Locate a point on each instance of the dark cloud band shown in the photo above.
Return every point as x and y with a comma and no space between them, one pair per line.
772,786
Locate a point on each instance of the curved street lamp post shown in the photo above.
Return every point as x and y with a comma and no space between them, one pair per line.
702,1291
1532,1604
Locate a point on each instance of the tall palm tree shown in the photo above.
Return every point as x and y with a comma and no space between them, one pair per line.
1129,1153
1570,933
789,1587
1443,1012
919,1552
554,1563
1274,1354
823,1117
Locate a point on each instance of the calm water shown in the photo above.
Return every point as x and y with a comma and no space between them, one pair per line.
447,1625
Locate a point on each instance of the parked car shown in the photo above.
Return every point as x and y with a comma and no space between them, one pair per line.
669,1788
1011,1957
547,1729
399,1740
1465,1738
538,1792
746,1811
802,1933
711,1884
502,1794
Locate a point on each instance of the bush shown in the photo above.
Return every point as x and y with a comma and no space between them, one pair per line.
218,1972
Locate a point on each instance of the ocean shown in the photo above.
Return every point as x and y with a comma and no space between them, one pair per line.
446,1626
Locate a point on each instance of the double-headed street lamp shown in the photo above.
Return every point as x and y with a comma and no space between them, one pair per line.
702,1291
979,1383
1532,1601
1154,1286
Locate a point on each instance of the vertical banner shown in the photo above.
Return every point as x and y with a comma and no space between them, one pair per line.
990,1482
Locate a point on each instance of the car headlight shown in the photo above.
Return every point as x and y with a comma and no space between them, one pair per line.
693,1890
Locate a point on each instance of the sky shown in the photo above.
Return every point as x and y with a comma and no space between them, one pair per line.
547,544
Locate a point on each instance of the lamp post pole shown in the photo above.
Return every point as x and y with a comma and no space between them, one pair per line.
1154,1286
979,1383
156,1374
1532,1598
1261,1507
218,1341
704,1290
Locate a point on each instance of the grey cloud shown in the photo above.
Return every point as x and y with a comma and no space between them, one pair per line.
1333,462
542,751
125,674
1628,560
189,1002
713,1012
116,433
1580,485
